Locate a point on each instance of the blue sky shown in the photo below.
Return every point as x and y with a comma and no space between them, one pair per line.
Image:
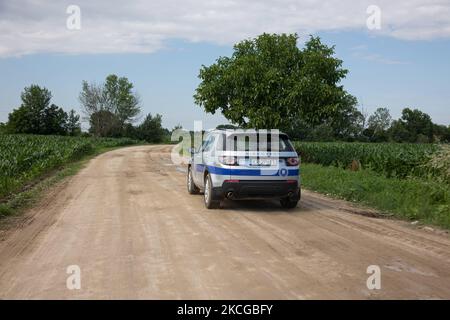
393,68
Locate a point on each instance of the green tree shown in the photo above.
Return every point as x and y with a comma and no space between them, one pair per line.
323,132
378,124
398,132
114,96
441,133
347,122
130,131
73,127
298,129
380,120
54,120
346,125
28,118
35,100
120,98
91,98
36,115
446,135
269,81
3,128
418,122
20,121
151,129
413,126
104,123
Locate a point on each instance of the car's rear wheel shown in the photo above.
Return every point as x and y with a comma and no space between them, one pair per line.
192,188
208,194
290,202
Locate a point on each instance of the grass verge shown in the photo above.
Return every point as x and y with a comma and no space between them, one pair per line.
424,200
21,201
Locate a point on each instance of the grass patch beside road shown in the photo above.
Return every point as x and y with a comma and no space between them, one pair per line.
413,199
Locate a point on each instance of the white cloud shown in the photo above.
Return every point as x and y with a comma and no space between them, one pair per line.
35,26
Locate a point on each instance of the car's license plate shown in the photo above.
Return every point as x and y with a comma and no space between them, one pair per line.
263,162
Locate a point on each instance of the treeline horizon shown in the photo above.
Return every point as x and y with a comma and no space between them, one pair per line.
413,126
113,109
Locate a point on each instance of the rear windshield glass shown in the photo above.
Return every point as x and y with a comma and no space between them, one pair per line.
254,142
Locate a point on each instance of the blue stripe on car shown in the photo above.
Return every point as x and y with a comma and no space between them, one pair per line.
247,172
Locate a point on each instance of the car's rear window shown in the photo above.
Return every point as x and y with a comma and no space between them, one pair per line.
254,142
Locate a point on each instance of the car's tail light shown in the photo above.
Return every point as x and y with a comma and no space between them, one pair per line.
292,161
228,160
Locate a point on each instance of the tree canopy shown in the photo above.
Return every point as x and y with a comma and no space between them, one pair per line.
151,129
413,126
37,116
110,105
268,81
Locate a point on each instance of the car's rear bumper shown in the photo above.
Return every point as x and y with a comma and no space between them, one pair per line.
248,189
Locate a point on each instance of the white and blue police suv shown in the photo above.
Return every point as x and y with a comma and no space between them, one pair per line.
245,164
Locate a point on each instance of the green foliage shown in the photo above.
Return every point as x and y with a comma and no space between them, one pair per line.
323,132
399,133
268,81
441,133
414,199
54,120
73,126
110,106
37,116
151,129
26,157
389,159
28,118
413,126
378,124
439,164
104,123
113,106
120,98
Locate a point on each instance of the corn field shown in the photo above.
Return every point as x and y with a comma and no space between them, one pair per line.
24,158
389,159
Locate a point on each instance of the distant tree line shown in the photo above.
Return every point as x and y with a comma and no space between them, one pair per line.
111,108
414,126
268,82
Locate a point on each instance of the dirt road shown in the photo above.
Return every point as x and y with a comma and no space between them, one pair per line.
129,224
